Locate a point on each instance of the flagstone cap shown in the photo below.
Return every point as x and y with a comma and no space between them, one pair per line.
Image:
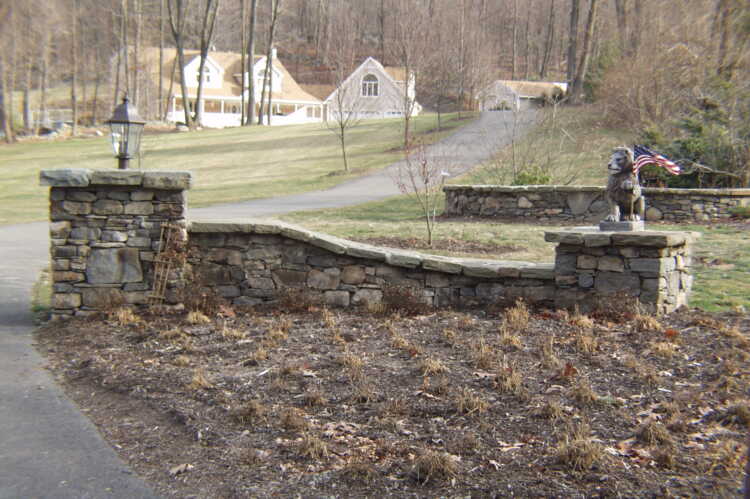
83,177
593,237
594,188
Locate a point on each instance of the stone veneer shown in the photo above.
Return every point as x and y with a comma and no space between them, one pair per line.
587,204
653,265
105,228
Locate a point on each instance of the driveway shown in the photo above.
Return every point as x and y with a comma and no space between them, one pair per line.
47,447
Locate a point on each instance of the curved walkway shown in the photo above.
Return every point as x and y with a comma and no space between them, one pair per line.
48,449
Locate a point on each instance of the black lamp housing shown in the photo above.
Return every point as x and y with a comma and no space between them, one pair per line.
126,129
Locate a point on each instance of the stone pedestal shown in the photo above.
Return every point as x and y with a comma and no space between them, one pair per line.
652,265
105,229
621,226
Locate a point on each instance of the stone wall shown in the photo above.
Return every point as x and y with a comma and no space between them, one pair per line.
653,265
249,262
587,204
105,237
105,229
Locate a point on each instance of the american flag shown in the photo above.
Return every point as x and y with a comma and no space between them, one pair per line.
645,156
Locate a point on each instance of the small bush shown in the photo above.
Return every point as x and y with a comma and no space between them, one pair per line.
252,412
577,450
432,464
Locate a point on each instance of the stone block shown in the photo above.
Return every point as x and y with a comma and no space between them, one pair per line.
119,195
442,264
652,266
136,297
579,202
490,290
64,251
542,271
524,203
85,233
246,301
99,298
364,296
336,298
566,280
261,283
611,263
608,283
142,195
59,264
108,207
290,278
585,280
76,208
67,276
62,287
240,241
228,291
139,242
403,259
353,274
653,214
139,208
114,236
264,253
81,196
178,197
214,274
437,280
65,177
66,300
114,266
136,286
228,256
116,177
587,262
650,239
622,226
323,280
175,181
628,252
565,263
59,229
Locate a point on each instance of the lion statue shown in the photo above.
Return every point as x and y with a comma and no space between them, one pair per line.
626,203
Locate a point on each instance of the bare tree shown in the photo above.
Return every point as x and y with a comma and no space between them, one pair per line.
421,176
74,66
577,90
268,73
549,41
177,15
344,109
575,7
250,119
207,33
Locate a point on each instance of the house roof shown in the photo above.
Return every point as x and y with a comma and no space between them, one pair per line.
231,63
533,89
392,73
397,73
319,90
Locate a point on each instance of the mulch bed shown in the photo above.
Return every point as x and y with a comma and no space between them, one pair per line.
395,401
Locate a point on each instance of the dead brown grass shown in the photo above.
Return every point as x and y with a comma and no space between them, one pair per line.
434,465
577,450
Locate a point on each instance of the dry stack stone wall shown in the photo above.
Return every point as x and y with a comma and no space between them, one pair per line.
655,266
105,236
587,204
105,231
249,263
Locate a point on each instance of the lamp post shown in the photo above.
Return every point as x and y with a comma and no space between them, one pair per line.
126,128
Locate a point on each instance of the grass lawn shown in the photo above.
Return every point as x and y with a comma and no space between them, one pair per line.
721,260
229,165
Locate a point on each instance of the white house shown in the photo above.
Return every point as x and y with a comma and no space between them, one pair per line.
223,92
515,95
373,91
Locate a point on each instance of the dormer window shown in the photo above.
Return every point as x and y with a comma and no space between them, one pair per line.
206,75
370,86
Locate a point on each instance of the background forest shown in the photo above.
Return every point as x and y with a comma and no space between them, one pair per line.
675,71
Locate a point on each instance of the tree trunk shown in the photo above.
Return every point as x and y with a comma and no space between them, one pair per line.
243,61
514,43
43,82
527,41
177,25
548,42
118,63
251,64
575,8
267,75
5,104
207,33
160,105
636,28
126,51
136,52
381,25
577,93
622,25
74,69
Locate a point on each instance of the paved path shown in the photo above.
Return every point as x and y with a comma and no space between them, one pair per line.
48,449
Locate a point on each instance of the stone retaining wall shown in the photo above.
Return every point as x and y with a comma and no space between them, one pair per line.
105,235
249,262
587,204
105,229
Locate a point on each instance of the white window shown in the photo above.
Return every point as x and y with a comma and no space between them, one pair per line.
370,86
206,75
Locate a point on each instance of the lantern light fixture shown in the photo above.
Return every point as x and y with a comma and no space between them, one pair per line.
126,128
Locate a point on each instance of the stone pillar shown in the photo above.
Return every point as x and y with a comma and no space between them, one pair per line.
652,265
105,228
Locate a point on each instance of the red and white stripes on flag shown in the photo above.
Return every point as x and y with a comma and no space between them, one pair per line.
644,156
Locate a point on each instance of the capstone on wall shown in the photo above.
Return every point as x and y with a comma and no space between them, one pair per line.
588,204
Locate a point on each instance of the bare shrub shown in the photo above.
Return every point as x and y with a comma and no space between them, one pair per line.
431,464
577,450
653,433
403,300
297,300
482,354
430,366
293,419
313,447
467,402
200,380
196,317
249,413
517,317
